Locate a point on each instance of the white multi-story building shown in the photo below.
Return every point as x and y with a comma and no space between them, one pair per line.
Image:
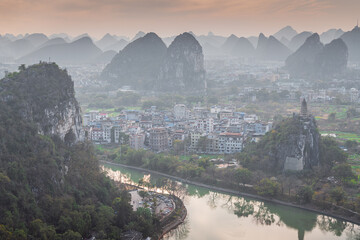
179,111
205,125
354,95
194,138
230,142
136,141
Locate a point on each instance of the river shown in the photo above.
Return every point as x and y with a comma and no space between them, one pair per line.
213,216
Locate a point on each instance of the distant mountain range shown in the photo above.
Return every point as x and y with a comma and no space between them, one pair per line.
80,51
146,63
30,48
314,59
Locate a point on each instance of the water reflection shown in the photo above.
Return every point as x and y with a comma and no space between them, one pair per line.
308,225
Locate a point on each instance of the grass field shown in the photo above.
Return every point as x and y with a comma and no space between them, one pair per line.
354,161
187,157
339,110
344,135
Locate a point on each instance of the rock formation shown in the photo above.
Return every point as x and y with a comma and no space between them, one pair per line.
79,51
146,64
239,47
313,59
301,62
331,34
183,66
302,148
287,32
43,94
333,59
106,41
271,49
298,40
352,41
293,144
138,64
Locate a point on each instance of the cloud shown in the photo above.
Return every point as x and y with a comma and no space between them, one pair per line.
168,15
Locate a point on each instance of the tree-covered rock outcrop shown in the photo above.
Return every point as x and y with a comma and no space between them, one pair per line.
51,186
293,145
43,94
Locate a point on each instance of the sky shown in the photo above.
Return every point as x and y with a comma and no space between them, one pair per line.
171,17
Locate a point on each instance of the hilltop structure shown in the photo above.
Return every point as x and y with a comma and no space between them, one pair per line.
301,150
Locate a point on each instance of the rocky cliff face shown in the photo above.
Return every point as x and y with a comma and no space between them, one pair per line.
301,150
313,59
43,94
183,66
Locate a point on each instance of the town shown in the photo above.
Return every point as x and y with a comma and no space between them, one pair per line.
218,130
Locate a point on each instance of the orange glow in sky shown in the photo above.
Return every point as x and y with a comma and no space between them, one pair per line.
169,17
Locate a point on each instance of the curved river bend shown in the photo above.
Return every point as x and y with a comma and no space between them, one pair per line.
213,216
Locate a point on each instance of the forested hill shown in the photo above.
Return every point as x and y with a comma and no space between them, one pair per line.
51,186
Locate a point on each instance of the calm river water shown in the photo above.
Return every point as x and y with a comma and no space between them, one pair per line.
213,216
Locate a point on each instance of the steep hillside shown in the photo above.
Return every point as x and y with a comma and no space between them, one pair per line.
51,186
183,66
138,64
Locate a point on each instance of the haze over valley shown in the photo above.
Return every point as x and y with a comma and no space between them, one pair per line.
131,120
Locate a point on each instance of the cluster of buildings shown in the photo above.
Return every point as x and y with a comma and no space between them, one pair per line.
215,130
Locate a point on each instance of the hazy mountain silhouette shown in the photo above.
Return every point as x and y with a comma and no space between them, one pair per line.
19,48
298,40
287,32
331,34
65,36
285,41
140,34
138,64
212,39
313,59
77,52
183,66
117,46
352,40
301,62
271,49
53,41
253,40
106,41
81,36
239,47
333,59
211,50
37,39
105,57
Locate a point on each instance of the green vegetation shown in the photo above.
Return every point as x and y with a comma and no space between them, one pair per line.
267,187
344,136
51,189
260,167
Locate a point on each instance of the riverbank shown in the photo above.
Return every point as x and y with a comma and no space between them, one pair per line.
176,218
243,194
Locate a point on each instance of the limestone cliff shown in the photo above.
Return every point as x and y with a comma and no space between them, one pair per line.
43,94
301,149
183,67
292,145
